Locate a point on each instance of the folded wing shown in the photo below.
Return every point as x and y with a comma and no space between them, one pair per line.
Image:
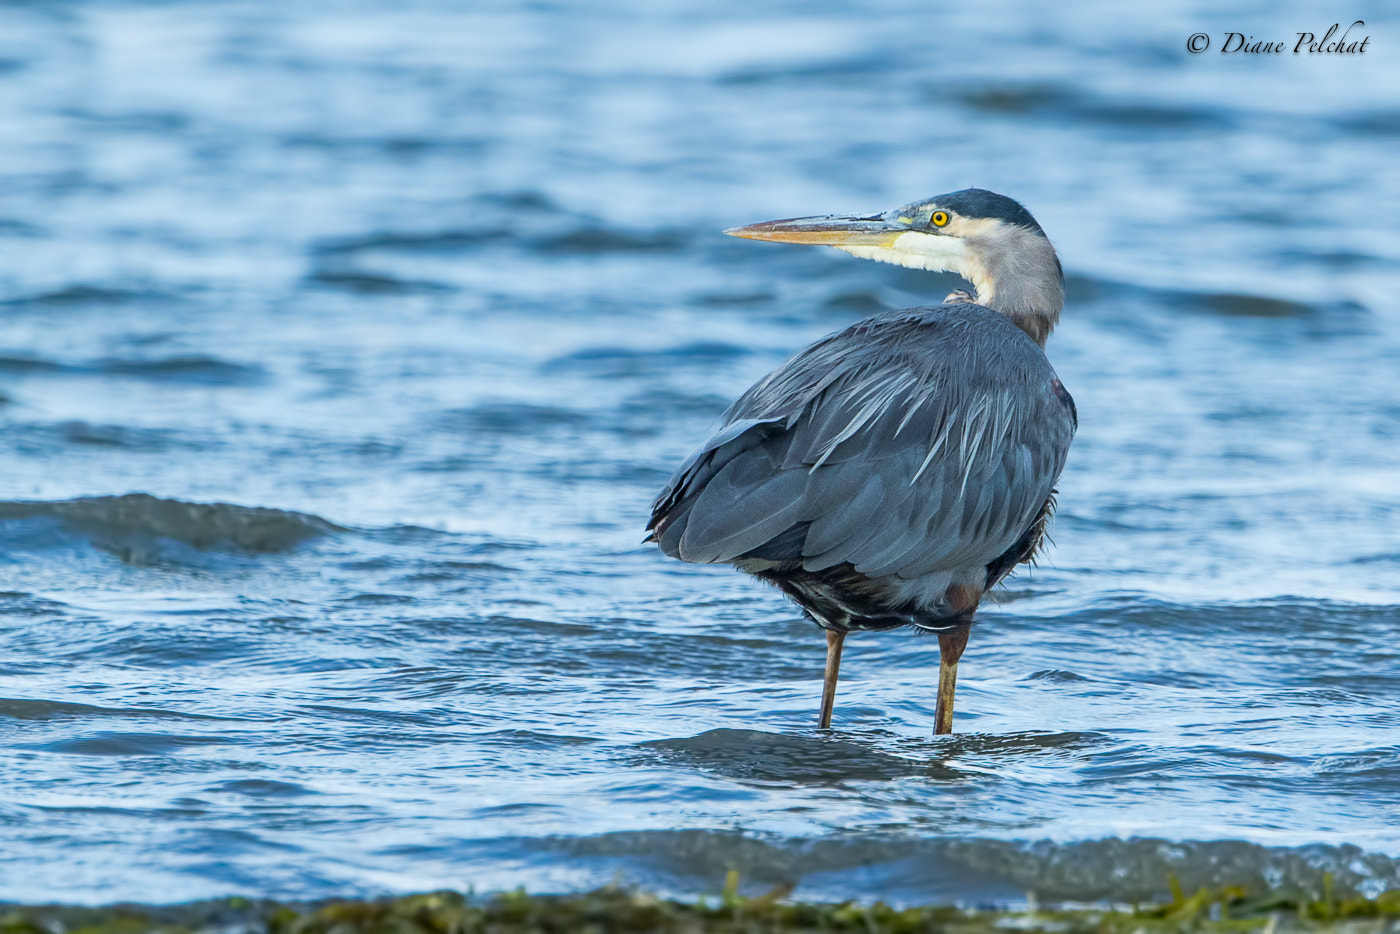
906,445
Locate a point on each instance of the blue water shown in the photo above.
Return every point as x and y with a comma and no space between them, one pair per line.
440,289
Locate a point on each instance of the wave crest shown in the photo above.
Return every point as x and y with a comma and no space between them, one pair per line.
203,526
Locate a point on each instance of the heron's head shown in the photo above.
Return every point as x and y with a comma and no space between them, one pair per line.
988,239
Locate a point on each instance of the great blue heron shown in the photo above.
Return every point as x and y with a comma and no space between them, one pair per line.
890,474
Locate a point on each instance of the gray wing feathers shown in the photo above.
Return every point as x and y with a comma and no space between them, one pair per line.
724,445
672,509
849,516
932,450
744,505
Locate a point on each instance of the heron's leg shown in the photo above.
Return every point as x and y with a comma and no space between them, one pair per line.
833,667
950,648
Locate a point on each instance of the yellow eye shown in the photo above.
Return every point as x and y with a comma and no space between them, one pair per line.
940,218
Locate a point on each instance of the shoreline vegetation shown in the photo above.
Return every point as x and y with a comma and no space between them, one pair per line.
623,909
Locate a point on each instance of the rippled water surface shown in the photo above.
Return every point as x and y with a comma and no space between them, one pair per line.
345,346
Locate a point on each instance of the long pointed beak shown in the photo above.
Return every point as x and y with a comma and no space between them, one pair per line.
832,230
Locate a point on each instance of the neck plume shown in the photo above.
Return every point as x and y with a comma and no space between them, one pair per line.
1022,280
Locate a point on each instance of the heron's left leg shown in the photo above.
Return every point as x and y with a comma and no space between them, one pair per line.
833,668
951,643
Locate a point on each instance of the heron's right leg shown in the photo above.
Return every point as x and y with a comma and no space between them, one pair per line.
951,643
833,667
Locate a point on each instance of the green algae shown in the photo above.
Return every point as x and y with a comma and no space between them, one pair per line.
619,909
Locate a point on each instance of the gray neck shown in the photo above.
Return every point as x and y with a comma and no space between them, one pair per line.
1021,278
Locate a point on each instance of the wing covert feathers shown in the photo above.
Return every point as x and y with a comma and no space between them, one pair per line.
909,444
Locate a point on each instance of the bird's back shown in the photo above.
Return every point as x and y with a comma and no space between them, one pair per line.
885,475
